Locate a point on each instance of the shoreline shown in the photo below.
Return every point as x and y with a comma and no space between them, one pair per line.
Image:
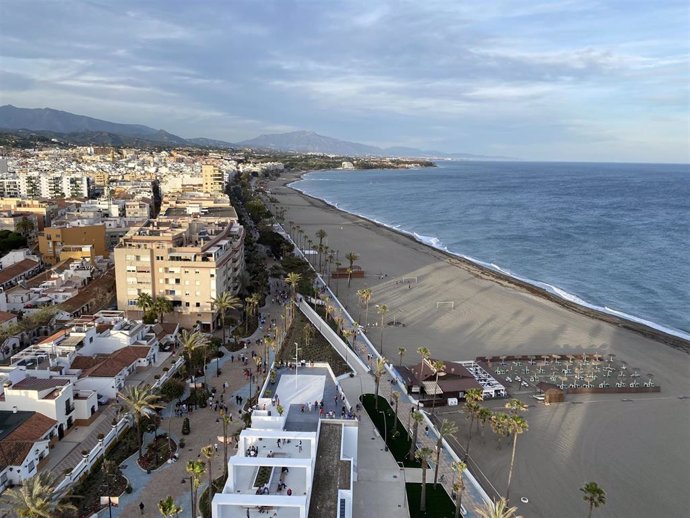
497,277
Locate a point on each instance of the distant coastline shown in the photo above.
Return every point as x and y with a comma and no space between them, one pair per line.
505,279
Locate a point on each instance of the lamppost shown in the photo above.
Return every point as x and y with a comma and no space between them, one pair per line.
385,430
297,348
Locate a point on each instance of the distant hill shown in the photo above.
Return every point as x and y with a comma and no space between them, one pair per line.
309,142
82,130
82,127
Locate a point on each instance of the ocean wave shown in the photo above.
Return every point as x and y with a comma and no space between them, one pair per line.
436,243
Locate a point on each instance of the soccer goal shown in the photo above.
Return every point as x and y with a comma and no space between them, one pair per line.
411,280
446,304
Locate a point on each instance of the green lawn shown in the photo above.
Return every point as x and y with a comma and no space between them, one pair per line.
399,445
438,503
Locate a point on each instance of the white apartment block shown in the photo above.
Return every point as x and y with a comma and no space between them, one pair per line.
45,185
190,254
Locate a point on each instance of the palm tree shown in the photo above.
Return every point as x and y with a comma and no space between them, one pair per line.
379,370
190,341
35,498
401,353
423,455
472,399
418,418
445,429
396,400
339,322
515,425
424,353
209,452
222,304
352,257
382,309
195,468
338,264
499,425
483,416
438,367
161,306
515,406
145,302
364,298
225,419
497,509
329,309
252,303
321,234
293,279
458,484
594,495
168,508
140,401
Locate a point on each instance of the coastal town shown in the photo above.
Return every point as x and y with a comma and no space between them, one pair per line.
181,336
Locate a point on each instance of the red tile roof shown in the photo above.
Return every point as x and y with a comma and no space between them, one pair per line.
6,316
39,383
15,447
17,269
112,365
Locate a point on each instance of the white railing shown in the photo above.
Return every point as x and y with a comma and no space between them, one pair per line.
94,455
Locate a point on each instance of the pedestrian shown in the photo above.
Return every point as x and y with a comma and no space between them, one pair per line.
215,446
141,507
232,358
426,431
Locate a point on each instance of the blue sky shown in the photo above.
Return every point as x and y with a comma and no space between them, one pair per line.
551,80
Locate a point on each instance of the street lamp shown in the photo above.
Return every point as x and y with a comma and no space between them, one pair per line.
385,430
297,348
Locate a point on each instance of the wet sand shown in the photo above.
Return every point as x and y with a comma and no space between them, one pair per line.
632,449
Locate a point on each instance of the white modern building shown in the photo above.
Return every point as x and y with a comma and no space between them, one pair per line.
294,460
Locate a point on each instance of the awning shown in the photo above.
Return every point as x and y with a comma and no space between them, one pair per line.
432,388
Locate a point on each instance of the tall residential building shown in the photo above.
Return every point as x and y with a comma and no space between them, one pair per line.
44,185
190,254
53,239
214,179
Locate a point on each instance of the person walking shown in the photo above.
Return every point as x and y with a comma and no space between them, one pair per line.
141,507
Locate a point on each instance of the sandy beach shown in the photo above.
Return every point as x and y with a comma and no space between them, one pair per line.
637,450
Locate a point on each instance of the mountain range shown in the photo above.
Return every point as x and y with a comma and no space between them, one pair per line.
83,130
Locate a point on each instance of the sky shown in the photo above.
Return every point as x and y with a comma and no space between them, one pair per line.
545,80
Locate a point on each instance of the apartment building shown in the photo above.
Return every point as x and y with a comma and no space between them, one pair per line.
190,254
214,179
53,239
43,210
45,185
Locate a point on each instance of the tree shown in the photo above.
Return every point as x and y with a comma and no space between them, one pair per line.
445,429
379,370
418,418
401,353
321,234
208,452
382,309
252,303
190,342
225,419
162,306
224,303
35,498
145,302
425,354
351,257
423,455
364,298
140,402
594,495
484,415
438,367
472,399
25,226
458,484
396,401
497,509
195,468
499,425
515,425
292,280
168,508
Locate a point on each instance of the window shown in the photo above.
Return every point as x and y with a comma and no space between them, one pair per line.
198,304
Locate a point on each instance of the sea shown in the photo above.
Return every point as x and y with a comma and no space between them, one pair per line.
611,236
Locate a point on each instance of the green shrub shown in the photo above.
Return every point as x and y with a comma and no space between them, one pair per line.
186,429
